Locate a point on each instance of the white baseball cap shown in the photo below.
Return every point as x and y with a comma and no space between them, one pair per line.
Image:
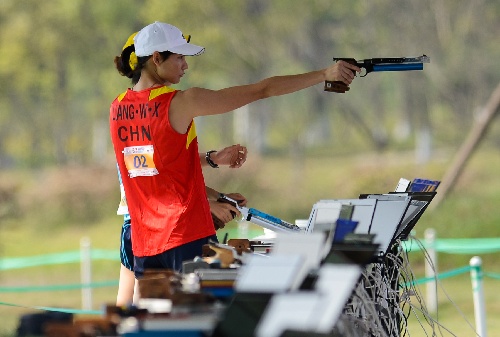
160,36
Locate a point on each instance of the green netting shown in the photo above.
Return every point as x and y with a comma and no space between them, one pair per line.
495,276
66,310
59,287
57,258
450,246
441,276
458,246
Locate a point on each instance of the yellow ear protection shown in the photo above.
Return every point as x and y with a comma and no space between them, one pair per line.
132,61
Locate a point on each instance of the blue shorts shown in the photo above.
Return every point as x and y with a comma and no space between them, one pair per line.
126,255
172,258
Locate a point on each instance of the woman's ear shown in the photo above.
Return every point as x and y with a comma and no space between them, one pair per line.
156,58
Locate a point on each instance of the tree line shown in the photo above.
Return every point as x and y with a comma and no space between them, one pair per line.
57,75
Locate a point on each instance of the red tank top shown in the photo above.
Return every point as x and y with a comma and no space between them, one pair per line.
161,173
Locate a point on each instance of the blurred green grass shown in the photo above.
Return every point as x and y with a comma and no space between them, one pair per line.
277,185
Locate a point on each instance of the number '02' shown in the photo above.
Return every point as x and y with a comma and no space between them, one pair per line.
140,161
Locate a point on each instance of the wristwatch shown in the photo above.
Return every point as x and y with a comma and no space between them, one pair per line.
209,160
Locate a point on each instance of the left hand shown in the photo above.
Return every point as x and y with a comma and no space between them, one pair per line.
239,198
222,213
233,156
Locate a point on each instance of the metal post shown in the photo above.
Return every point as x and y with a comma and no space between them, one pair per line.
476,276
86,273
431,270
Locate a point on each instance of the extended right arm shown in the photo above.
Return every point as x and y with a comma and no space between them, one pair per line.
195,102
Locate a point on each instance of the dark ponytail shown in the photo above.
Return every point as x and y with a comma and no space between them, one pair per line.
123,66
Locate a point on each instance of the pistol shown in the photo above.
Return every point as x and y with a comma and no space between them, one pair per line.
377,64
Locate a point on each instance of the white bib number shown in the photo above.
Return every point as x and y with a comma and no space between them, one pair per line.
139,161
